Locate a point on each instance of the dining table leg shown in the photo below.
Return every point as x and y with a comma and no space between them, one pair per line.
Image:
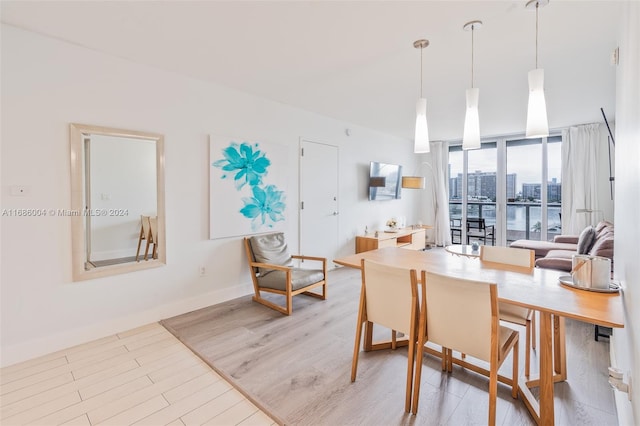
559,349
547,414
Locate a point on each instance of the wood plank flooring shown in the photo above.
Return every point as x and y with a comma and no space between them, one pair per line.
298,368
144,377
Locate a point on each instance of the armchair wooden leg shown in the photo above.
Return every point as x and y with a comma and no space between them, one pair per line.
289,303
273,306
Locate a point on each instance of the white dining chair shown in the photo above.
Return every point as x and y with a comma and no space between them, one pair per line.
389,297
511,313
461,314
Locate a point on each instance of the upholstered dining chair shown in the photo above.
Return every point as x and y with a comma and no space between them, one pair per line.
389,297
512,313
462,314
272,271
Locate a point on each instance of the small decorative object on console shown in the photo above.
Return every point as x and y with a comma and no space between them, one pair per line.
392,223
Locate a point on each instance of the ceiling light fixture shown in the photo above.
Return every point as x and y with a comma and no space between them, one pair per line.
421,142
537,122
471,135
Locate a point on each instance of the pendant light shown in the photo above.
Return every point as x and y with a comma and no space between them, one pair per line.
421,142
537,122
471,135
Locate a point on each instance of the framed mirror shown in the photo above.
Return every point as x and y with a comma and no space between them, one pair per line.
117,201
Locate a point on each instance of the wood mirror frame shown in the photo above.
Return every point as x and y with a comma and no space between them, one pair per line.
83,268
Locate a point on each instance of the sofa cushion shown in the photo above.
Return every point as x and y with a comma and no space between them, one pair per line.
603,246
541,248
299,278
586,240
561,254
572,239
554,263
270,248
601,226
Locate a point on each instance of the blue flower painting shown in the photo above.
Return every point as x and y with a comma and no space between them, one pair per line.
249,166
265,207
244,196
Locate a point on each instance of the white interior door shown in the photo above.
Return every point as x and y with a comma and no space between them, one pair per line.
319,200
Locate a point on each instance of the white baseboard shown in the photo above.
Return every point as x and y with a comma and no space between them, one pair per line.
38,347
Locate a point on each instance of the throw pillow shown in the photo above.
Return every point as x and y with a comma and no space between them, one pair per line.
602,225
586,240
270,248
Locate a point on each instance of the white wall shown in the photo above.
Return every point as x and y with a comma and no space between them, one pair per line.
626,341
47,84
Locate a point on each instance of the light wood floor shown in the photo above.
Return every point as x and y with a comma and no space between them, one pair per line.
144,377
298,367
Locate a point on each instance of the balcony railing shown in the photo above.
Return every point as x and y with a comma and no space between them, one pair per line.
524,219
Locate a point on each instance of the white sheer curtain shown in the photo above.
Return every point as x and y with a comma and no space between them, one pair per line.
579,178
438,203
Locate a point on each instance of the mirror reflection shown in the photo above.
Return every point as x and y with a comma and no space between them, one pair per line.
117,192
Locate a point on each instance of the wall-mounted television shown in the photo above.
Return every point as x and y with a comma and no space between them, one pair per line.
384,181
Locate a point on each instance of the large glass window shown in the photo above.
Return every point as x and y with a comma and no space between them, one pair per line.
554,187
481,186
503,184
524,189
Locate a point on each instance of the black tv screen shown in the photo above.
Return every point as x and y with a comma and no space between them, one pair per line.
384,181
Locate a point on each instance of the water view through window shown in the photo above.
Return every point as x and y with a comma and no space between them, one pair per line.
532,210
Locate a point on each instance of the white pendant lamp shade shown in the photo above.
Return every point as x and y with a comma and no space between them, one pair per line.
537,123
421,143
471,135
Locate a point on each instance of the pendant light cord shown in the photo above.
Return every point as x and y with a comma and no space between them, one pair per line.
537,6
472,28
421,49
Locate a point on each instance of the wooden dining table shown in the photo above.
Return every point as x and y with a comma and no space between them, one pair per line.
534,288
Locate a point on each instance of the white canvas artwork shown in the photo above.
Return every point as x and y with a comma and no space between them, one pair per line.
247,187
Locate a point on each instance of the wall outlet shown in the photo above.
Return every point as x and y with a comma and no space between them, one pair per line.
20,190
203,271
615,56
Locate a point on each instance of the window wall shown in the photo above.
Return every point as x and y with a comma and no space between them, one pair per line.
502,183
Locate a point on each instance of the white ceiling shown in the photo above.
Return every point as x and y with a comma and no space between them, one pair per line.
355,60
